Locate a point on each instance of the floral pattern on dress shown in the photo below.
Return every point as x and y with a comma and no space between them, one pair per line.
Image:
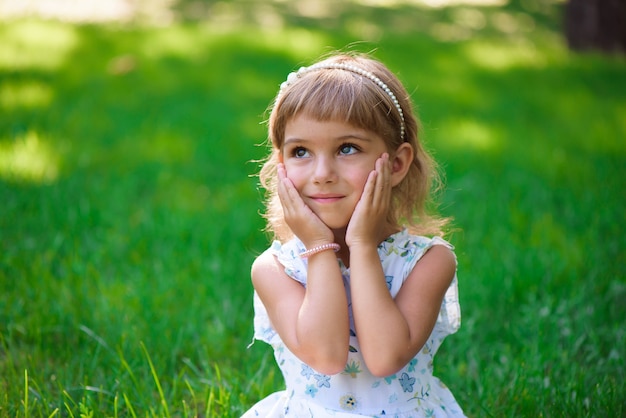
352,368
348,402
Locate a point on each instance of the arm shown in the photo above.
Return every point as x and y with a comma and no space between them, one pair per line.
391,332
312,321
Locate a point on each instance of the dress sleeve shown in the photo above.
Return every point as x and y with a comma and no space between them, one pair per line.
288,255
263,329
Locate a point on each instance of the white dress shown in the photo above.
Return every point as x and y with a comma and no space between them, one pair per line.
355,392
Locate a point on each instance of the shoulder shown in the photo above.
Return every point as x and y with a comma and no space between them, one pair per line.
433,268
435,253
262,260
264,265
280,260
434,247
442,259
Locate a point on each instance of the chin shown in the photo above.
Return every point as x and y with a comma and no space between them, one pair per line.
334,220
336,225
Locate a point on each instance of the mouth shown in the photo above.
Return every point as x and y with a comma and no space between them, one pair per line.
325,198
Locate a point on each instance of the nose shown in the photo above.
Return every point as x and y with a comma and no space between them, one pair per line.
324,171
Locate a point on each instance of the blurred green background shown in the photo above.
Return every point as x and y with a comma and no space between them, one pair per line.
129,209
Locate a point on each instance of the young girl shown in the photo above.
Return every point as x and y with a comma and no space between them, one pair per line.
353,299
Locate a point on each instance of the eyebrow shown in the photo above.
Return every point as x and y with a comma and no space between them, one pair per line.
348,137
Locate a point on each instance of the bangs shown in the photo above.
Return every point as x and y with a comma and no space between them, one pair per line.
335,95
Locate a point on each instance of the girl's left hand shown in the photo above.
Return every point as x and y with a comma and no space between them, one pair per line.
370,214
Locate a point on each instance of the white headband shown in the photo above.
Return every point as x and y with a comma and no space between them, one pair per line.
292,77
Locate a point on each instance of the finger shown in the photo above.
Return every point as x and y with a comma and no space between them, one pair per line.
284,187
386,178
281,184
369,191
292,193
382,178
290,199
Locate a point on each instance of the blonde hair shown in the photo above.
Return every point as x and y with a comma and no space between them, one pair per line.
334,94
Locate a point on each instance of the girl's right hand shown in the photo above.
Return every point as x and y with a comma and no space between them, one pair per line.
304,223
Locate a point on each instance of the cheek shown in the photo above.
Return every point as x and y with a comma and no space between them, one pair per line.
358,178
297,177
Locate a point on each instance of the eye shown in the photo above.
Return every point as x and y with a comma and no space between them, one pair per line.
299,152
348,149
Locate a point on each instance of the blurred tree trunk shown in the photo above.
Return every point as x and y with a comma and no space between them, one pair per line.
596,25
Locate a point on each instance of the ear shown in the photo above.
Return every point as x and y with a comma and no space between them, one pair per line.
400,163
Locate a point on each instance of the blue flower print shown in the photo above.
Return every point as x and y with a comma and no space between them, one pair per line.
407,382
412,364
310,390
389,379
307,371
322,380
388,279
268,333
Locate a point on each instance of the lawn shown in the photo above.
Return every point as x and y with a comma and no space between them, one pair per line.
129,209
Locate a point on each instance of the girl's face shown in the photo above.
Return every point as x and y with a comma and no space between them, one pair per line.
328,163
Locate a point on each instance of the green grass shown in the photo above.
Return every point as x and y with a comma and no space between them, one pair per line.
129,217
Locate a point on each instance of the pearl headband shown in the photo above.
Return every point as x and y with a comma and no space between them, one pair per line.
292,77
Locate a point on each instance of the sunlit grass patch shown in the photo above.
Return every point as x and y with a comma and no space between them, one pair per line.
502,56
28,158
27,95
36,45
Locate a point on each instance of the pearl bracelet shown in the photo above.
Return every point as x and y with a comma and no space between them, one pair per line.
320,248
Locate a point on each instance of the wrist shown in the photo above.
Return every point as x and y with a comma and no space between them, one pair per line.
363,248
317,241
320,249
